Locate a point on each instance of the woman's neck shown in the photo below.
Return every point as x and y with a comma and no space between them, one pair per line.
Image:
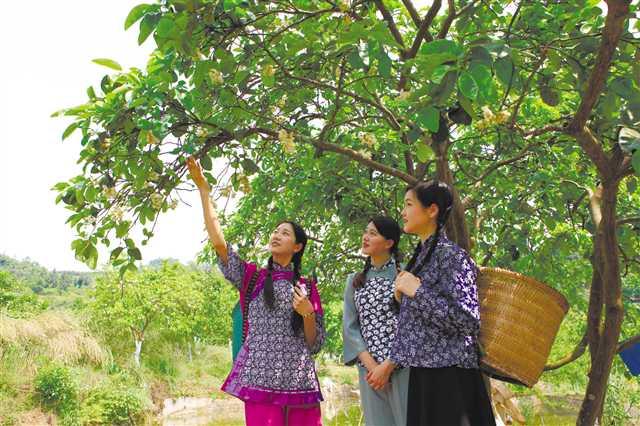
427,231
378,260
282,260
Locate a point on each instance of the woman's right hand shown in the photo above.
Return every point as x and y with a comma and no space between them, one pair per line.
196,174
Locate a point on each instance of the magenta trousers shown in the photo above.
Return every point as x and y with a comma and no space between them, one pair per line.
257,414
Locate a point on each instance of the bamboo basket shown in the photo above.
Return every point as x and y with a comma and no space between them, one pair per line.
519,318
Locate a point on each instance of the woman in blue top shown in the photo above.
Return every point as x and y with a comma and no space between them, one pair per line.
439,319
370,320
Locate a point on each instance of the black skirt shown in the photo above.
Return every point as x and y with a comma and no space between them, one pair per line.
449,396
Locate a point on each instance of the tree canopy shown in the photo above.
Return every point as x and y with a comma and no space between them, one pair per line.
323,111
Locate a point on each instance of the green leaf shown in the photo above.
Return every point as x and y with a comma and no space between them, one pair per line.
205,161
441,93
135,14
466,104
249,166
424,152
635,162
109,63
70,129
481,74
429,118
115,253
441,46
504,70
90,255
122,228
165,27
384,63
147,25
468,85
135,253
355,60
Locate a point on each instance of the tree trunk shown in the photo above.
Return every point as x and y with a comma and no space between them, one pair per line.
136,355
607,256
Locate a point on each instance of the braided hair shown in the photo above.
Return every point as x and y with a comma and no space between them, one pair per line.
268,293
428,193
389,229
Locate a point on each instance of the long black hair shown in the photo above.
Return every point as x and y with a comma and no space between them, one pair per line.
388,228
269,298
428,193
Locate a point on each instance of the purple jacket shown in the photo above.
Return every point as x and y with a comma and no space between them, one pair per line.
439,326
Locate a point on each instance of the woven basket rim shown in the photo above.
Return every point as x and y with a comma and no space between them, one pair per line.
564,303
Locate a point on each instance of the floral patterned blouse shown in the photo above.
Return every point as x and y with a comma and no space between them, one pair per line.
369,320
274,365
439,326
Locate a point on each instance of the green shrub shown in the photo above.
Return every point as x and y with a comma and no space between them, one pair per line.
55,388
109,405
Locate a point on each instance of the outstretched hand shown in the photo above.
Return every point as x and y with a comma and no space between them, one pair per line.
196,173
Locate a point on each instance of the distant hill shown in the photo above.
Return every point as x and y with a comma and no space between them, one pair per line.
37,277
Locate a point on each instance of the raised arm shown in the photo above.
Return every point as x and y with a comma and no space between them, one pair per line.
210,217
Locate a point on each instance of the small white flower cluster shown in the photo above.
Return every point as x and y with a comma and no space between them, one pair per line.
110,192
216,76
288,140
105,144
117,214
245,185
157,200
404,95
365,154
151,138
368,139
269,70
490,118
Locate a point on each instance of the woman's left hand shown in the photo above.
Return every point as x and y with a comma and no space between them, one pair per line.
378,378
301,303
407,283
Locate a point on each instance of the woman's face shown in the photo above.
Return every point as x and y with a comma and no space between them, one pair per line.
283,241
415,216
373,242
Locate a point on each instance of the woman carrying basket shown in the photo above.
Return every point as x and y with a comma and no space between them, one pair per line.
439,319
274,372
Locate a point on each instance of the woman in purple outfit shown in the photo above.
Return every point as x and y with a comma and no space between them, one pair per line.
274,372
439,319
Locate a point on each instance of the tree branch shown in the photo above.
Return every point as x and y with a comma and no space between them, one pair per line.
627,220
626,344
423,29
613,28
523,153
451,15
415,16
347,152
577,353
390,22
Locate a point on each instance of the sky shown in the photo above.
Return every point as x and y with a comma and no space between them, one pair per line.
47,50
